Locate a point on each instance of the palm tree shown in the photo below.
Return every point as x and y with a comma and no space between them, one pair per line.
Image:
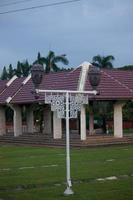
39,59
51,61
103,61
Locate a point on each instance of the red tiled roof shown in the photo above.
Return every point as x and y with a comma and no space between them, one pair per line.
2,85
125,77
56,81
11,90
114,85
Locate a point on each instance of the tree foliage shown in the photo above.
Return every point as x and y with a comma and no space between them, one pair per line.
103,61
4,75
10,71
22,69
128,111
127,67
51,60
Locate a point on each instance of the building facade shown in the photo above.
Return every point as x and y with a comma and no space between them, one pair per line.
115,86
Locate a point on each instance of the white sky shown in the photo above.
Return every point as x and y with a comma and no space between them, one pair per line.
80,30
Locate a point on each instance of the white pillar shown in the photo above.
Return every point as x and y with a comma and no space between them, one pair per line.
30,120
17,119
82,80
57,126
47,120
118,120
83,123
91,123
2,121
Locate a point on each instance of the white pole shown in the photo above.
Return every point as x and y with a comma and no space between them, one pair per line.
68,190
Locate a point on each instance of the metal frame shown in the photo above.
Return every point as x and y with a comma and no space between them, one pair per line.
67,103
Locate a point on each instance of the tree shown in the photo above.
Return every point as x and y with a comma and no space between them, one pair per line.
51,61
127,67
39,59
103,61
18,71
25,69
4,75
128,111
10,71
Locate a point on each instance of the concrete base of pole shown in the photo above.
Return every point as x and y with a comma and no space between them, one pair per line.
68,191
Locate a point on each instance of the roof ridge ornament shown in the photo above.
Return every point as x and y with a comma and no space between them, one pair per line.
11,80
8,100
26,79
85,66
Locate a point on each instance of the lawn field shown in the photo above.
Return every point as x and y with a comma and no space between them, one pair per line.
38,173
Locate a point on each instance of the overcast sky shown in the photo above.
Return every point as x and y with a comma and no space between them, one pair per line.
80,30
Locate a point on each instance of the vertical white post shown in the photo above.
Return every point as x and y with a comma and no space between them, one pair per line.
91,123
47,120
17,121
118,120
57,126
30,120
2,121
68,190
83,123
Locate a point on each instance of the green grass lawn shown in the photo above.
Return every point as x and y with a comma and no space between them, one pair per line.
31,173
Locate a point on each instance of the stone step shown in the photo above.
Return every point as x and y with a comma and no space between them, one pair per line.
108,140
63,144
38,143
40,140
35,140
